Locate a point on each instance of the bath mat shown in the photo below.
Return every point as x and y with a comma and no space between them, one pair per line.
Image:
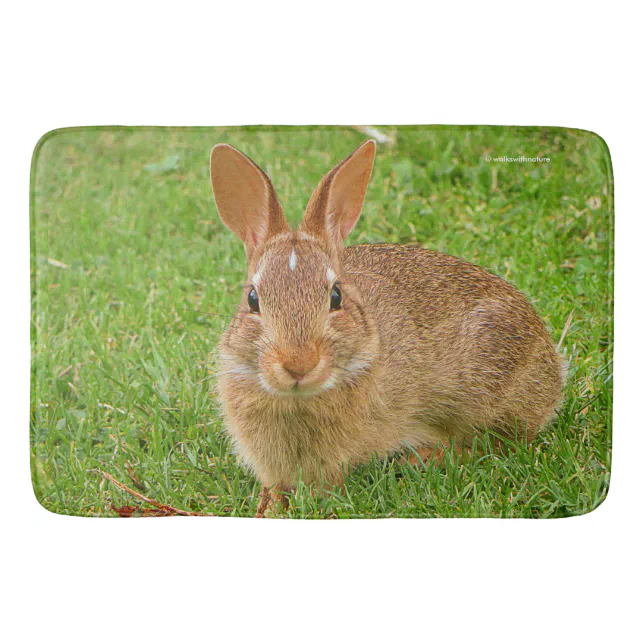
321,322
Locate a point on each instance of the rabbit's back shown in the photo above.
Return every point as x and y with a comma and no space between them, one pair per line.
461,345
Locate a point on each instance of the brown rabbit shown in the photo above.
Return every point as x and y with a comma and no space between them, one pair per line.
336,354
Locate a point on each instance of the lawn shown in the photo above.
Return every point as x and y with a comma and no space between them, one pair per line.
134,278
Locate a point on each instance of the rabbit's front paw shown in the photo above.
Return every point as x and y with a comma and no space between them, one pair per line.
271,501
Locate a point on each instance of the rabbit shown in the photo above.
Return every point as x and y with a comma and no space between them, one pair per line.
338,354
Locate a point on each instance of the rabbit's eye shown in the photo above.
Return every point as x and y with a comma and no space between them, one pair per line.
253,301
336,298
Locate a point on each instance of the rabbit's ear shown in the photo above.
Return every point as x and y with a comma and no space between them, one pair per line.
245,198
335,206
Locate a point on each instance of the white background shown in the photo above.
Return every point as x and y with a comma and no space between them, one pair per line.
538,63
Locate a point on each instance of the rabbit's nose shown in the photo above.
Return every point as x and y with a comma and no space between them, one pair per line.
301,361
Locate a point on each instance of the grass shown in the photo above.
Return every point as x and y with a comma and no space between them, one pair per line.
134,278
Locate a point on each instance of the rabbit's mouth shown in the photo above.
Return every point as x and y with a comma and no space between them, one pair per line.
303,390
279,380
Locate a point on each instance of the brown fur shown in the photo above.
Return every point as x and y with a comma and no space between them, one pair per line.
426,348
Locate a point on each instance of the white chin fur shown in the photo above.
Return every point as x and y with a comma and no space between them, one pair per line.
295,392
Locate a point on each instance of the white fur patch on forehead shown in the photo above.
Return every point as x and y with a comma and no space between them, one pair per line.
256,278
330,274
292,260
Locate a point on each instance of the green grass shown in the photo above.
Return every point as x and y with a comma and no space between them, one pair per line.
134,278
